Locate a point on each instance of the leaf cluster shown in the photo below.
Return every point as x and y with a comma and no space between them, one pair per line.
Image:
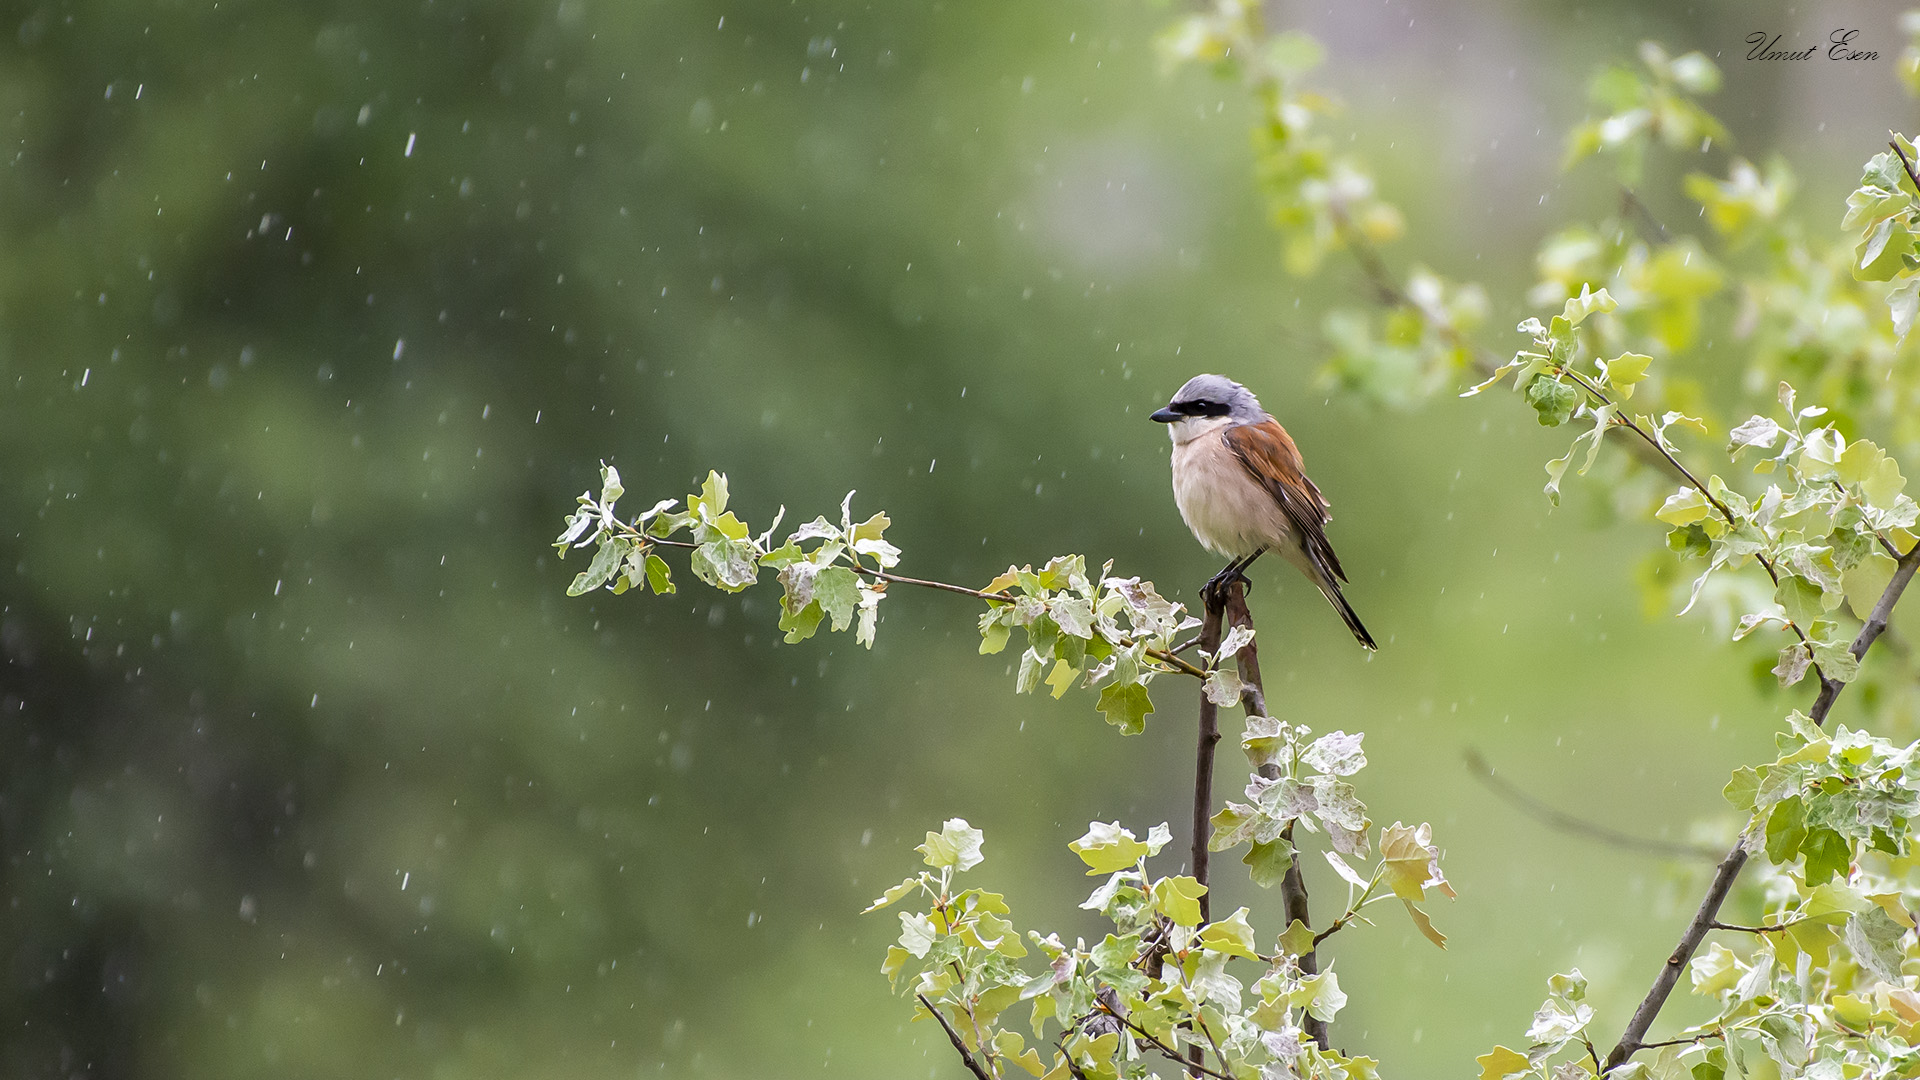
1157,988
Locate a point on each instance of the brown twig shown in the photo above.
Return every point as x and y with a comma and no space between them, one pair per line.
1729,869
1774,929
959,1044
1555,818
1630,204
1905,164
1073,1069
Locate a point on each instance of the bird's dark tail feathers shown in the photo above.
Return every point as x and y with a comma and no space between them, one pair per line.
1331,591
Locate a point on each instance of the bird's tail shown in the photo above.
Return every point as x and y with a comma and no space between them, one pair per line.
1331,590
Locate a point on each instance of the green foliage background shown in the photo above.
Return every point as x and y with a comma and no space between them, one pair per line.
312,318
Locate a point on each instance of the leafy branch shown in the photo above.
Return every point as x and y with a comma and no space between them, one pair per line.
1115,635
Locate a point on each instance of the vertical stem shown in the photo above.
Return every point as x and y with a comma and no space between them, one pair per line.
1203,788
1293,888
1203,768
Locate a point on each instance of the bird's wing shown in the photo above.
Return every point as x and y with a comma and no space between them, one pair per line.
1270,457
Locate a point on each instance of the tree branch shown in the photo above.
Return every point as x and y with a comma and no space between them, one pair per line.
1558,819
1707,915
959,1044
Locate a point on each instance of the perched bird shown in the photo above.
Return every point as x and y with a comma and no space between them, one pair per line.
1240,486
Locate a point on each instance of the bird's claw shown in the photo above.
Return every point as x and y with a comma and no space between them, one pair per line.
1214,592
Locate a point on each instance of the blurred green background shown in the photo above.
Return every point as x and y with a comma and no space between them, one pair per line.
314,318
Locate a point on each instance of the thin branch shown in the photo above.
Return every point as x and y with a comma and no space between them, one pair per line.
1684,1042
1905,164
1875,626
1558,819
1169,657
1072,1068
1774,929
1729,869
1167,1051
1630,204
959,1044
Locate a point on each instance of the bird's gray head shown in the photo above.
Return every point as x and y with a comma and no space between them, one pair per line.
1207,396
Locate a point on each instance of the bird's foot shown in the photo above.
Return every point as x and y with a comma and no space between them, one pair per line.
1214,592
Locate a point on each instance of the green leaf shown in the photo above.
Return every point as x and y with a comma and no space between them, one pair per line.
871,529
1792,664
610,488
659,576
1552,399
1866,582
1061,678
894,894
1803,600
1233,936
1740,790
1758,431
1881,254
1786,830
728,565
1424,924
837,589
1827,854
606,561
1500,1062
1268,864
994,633
1337,754
1126,705
1579,307
917,933
1410,860
957,844
1903,303
1683,507
713,494
1298,940
1321,995
1878,476
1875,939
1556,471
1178,898
1625,371
801,624
1107,847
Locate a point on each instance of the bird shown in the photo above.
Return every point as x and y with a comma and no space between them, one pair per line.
1242,488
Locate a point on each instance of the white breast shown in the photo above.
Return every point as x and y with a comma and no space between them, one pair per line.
1228,511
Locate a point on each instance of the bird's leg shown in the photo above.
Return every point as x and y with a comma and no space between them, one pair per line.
1215,590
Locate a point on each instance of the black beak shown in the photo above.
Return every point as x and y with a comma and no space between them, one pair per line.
1165,416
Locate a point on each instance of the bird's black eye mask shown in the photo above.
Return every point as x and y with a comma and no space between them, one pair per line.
1200,408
